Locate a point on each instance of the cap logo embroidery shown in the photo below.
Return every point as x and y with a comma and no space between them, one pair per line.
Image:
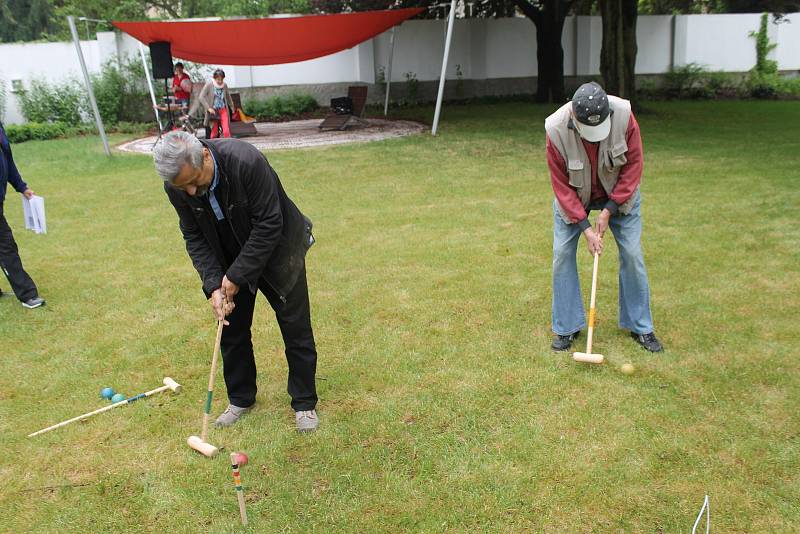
594,119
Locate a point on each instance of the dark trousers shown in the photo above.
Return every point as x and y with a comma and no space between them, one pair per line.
294,320
21,284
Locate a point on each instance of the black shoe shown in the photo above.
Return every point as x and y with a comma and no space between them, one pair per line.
562,343
648,341
35,302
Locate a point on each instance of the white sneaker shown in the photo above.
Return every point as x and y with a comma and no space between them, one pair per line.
307,420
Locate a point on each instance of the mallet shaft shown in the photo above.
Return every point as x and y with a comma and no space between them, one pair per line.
590,330
210,393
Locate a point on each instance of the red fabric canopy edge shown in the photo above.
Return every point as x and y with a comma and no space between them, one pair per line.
269,41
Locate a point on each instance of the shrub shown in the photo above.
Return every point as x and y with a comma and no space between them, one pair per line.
44,102
278,107
686,82
412,87
121,92
18,133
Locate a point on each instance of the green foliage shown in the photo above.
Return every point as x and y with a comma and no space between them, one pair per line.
278,107
459,81
46,102
694,81
412,87
763,80
25,20
29,20
36,131
247,8
121,92
119,89
380,80
763,48
138,128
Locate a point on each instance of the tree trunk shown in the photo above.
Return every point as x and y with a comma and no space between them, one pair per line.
190,9
549,22
618,55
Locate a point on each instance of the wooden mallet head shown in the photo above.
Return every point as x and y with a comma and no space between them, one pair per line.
174,386
204,448
587,358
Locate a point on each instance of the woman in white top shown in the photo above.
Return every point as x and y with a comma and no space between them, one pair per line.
218,104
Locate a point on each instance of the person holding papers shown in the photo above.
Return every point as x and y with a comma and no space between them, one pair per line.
21,282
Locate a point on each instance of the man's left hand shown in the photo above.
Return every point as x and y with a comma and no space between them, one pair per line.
28,193
229,289
602,222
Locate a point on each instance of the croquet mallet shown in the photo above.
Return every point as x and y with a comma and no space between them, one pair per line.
588,357
199,443
168,384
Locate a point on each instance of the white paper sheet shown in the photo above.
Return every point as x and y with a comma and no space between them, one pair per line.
33,212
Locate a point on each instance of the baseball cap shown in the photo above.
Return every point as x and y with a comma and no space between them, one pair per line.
591,112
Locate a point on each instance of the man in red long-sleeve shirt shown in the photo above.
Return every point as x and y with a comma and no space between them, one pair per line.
594,153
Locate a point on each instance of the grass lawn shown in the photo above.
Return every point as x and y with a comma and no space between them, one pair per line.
442,407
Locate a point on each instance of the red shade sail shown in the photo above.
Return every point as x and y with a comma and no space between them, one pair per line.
266,41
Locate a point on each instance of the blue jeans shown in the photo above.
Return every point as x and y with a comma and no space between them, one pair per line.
634,290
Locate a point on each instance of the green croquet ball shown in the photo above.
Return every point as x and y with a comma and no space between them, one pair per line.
107,393
627,368
118,397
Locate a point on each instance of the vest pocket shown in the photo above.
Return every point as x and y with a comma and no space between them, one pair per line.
575,170
618,151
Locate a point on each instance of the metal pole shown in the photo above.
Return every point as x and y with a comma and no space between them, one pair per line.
444,67
150,86
98,120
389,73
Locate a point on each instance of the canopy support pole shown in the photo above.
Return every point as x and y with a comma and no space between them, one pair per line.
98,120
389,72
444,67
150,86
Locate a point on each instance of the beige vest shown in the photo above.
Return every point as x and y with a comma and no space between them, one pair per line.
610,155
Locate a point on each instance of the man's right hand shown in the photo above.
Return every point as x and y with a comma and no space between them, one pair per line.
593,241
220,306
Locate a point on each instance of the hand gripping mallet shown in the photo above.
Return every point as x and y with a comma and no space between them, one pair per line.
199,443
588,357
168,384
236,464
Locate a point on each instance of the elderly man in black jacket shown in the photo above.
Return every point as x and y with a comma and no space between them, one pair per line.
243,232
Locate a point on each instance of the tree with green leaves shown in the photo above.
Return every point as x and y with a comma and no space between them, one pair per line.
25,20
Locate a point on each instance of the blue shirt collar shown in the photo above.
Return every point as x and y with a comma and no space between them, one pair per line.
215,181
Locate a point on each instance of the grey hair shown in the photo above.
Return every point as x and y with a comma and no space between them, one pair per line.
175,150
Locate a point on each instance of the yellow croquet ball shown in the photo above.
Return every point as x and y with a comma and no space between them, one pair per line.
627,368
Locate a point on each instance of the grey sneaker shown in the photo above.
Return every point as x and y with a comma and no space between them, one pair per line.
35,302
230,415
307,420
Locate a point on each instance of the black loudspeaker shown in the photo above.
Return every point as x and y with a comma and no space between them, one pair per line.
342,105
161,58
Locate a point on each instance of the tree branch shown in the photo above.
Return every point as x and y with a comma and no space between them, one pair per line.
166,5
529,10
